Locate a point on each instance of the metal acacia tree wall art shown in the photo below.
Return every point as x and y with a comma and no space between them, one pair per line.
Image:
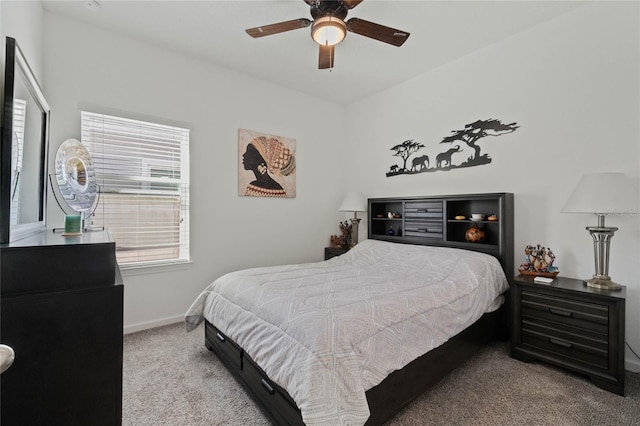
469,136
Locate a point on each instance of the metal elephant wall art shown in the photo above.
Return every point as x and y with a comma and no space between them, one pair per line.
459,141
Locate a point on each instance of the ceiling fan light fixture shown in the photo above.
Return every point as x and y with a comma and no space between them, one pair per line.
328,31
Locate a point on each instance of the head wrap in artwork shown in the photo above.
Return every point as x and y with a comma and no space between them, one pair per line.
278,157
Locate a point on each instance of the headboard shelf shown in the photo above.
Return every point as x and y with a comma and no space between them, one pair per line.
431,220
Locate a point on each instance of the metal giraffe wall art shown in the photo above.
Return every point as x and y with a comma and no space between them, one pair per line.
461,142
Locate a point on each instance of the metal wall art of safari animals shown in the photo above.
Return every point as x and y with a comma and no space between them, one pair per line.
470,136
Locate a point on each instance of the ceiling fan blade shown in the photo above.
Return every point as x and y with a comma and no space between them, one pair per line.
351,3
280,27
326,57
377,31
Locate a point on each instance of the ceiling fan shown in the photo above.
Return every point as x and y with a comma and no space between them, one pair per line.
329,28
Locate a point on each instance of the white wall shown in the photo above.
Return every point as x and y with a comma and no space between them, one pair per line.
572,86
23,21
90,67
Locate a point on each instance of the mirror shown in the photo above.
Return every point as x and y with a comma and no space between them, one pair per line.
23,151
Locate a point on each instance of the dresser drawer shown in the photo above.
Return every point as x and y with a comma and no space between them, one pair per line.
575,313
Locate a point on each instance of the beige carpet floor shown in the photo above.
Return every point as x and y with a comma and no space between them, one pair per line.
170,378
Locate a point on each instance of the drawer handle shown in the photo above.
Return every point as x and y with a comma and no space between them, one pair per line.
220,337
560,343
267,386
561,312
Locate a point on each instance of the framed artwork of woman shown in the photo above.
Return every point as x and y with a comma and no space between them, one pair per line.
267,165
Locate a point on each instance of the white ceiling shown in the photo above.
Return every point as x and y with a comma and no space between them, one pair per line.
441,31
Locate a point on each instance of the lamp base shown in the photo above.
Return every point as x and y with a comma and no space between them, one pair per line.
355,222
602,284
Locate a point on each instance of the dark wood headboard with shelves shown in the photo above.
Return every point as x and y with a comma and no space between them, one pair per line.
431,220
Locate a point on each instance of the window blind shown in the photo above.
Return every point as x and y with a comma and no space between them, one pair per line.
142,170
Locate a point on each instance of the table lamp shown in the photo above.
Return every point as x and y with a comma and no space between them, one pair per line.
354,202
603,194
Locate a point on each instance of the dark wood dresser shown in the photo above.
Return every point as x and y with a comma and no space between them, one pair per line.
62,306
570,325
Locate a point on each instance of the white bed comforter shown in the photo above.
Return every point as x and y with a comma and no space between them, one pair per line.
328,331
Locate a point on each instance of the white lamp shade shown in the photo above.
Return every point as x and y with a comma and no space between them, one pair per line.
603,193
354,202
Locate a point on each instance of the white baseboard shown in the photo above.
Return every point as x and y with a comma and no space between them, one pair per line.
632,365
132,328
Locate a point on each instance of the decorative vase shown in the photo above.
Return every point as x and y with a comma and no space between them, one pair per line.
475,234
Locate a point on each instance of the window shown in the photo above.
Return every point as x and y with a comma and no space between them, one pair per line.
17,150
142,169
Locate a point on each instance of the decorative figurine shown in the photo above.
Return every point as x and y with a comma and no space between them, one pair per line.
335,241
538,261
345,238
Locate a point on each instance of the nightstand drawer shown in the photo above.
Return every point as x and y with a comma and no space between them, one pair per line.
570,312
579,345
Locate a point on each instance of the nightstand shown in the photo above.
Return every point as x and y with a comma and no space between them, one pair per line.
330,252
570,325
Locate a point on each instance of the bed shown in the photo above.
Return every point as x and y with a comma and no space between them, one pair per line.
353,339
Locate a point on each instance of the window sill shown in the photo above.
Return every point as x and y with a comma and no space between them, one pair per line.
154,267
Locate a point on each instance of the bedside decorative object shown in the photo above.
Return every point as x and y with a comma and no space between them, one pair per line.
475,234
335,241
492,218
602,194
460,217
354,202
538,261
346,234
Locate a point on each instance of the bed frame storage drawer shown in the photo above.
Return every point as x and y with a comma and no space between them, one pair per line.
272,399
226,348
275,399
